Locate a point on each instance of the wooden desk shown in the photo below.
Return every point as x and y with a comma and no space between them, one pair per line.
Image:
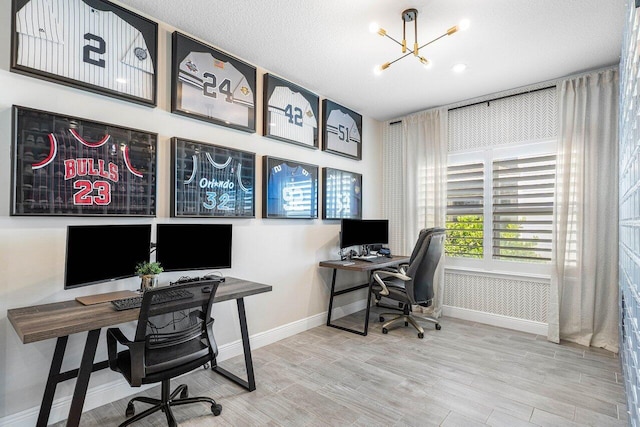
362,266
61,319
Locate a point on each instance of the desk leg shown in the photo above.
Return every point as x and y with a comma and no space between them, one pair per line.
52,381
333,290
250,384
82,383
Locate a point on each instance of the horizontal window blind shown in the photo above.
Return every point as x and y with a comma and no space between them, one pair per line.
465,210
523,194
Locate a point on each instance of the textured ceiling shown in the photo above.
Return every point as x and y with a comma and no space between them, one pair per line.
326,47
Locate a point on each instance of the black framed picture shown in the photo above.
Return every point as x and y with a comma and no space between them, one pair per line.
210,181
290,112
290,189
209,85
91,44
342,130
64,165
341,194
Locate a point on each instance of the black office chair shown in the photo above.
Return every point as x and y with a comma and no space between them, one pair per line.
172,338
412,284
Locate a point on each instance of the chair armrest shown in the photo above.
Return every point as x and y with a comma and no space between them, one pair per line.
115,336
402,268
136,352
379,274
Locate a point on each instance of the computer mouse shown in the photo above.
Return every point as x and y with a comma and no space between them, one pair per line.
206,290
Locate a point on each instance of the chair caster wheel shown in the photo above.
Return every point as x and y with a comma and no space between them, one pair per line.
385,331
216,409
406,323
420,335
131,410
438,327
184,393
205,366
381,319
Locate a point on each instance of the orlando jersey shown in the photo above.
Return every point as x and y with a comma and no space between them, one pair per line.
342,133
73,40
291,116
96,176
214,89
291,192
214,187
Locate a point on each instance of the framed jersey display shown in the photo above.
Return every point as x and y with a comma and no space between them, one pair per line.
290,189
64,165
341,194
91,44
342,130
211,181
209,85
290,112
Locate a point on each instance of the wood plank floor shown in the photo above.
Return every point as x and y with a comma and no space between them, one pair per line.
466,374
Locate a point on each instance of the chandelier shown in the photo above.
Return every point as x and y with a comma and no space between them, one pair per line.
411,15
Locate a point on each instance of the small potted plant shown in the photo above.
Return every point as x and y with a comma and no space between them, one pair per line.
148,273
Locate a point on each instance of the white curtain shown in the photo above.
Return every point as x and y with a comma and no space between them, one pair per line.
424,184
583,306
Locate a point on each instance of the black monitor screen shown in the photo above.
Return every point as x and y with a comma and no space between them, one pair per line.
193,246
99,253
364,232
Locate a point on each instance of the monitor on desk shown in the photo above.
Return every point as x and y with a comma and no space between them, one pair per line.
182,247
100,253
355,232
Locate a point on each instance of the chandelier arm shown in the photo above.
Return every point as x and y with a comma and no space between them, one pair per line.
403,56
388,36
432,41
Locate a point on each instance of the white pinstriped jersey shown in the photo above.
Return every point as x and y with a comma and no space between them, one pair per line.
215,89
342,133
73,40
291,116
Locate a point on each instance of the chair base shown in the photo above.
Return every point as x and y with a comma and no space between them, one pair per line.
165,403
408,319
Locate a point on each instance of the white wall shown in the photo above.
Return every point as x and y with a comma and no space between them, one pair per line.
282,253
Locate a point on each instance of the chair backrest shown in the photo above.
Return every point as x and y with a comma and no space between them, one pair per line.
416,248
423,266
180,328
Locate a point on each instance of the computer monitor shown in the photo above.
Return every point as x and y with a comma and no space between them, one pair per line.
181,247
100,253
364,232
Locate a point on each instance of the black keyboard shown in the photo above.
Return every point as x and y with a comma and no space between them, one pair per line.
166,296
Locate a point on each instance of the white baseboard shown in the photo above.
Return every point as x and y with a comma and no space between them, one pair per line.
115,390
522,325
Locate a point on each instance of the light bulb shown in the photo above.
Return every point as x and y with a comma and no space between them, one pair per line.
464,24
374,27
377,70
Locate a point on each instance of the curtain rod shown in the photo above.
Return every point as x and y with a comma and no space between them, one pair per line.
501,97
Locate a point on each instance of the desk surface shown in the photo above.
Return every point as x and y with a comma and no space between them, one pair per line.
58,319
359,265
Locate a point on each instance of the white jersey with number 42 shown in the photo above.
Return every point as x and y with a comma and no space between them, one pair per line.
73,40
291,116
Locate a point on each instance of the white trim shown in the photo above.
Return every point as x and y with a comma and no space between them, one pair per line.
497,274
537,328
115,390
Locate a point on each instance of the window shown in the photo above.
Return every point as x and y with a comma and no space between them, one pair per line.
508,192
465,210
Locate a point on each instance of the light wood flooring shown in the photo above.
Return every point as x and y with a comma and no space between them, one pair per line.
466,374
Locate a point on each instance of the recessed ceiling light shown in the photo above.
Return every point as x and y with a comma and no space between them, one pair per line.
458,68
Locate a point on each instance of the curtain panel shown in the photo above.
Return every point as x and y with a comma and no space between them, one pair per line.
583,306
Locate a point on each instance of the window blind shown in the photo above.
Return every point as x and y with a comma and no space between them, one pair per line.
465,205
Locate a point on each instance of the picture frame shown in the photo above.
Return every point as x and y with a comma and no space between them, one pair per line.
212,86
341,194
67,166
341,130
106,49
290,112
290,189
211,181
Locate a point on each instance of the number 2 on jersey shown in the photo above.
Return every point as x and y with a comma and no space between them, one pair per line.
90,50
